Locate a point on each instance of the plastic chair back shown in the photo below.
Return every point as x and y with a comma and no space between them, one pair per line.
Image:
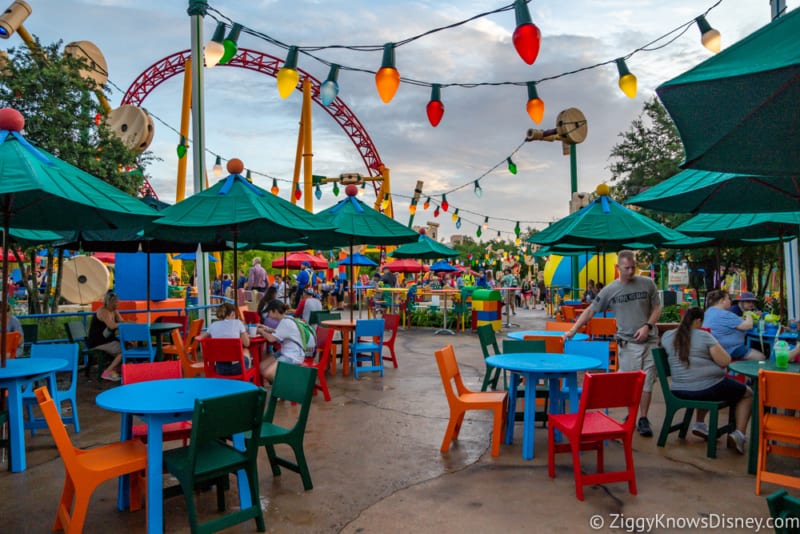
612,390
487,338
786,508
392,325
602,327
593,349
251,317
61,351
553,344
30,334
229,350
189,366
12,344
515,346
134,339
558,326
779,432
143,372
367,346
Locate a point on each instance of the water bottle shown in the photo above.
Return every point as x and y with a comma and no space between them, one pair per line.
781,354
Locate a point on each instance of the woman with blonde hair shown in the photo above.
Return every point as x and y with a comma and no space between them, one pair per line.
228,326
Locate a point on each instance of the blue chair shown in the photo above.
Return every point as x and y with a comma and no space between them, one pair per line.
61,351
367,346
600,350
135,341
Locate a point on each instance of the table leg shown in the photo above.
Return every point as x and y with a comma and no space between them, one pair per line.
512,408
155,467
16,430
444,328
529,420
245,499
345,352
123,482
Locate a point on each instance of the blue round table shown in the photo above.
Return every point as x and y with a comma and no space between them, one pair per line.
535,366
521,334
158,402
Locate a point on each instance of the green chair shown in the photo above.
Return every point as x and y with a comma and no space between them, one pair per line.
30,335
4,441
487,339
673,404
210,458
329,316
785,510
76,333
511,346
293,383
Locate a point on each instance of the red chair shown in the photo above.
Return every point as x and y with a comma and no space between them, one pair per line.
586,430
391,324
142,372
251,317
323,353
226,350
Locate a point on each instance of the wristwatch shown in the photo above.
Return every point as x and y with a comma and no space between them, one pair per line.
649,326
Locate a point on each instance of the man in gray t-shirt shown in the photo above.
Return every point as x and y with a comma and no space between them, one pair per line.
636,306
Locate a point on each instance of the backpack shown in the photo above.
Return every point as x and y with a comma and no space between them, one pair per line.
308,337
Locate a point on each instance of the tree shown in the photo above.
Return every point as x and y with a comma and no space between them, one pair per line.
60,107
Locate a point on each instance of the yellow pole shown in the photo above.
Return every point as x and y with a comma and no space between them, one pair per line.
298,155
186,109
308,153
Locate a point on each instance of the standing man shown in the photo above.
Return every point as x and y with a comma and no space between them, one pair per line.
389,279
280,287
257,279
636,306
303,281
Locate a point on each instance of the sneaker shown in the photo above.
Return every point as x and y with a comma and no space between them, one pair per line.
111,376
700,430
643,426
736,439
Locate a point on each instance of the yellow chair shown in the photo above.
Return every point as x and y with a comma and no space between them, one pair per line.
777,391
87,469
462,399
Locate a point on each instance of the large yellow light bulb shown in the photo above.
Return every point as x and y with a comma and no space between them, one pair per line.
288,76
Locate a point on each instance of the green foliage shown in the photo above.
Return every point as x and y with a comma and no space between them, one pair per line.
670,314
60,108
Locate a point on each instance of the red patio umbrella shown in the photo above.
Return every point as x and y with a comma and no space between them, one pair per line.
295,261
405,266
11,257
105,257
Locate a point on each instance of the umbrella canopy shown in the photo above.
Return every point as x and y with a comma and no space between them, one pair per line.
405,266
41,192
425,249
698,191
744,225
11,258
442,266
235,210
736,111
295,260
607,225
190,256
358,260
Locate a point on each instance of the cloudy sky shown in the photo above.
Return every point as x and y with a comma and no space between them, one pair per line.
481,127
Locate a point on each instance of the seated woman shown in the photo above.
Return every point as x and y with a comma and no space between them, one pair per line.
102,334
697,363
228,326
729,329
270,295
287,334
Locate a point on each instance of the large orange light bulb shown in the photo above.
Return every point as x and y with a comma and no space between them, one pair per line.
387,79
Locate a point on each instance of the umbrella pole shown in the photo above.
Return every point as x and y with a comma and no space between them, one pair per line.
148,282
352,284
286,286
236,269
4,299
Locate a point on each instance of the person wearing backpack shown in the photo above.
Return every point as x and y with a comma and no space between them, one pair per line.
295,337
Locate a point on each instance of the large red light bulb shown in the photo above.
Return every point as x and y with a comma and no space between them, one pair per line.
435,108
527,38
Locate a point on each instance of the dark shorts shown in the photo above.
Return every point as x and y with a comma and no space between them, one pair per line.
233,368
740,352
726,390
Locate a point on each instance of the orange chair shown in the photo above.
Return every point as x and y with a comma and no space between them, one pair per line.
323,353
12,344
87,469
391,322
560,326
586,430
225,350
142,372
777,392
569,314
190,367
552,344
462,399
605,329
189,343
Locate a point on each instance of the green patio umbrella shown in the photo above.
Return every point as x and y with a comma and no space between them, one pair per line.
236,210
699,191
737,111
606,225
357,223
424,249
38,191
782,226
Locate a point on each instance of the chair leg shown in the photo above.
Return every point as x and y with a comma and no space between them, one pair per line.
80,510
575,448
302,466
628,444
191,509
453,428
665,427
551,452
62,513
687,421
273,460
713,424
323,384
497,431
